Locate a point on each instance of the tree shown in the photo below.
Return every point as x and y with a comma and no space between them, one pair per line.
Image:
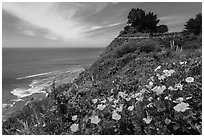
143,22
194,25
162,28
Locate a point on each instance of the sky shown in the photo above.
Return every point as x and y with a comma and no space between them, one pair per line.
79,24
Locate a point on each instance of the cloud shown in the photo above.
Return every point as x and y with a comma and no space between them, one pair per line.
29,33
47,16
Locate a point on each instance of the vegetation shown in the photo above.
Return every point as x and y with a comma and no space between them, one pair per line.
144,22
194,25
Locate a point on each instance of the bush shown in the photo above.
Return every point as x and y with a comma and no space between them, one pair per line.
148,46
126,48
191,45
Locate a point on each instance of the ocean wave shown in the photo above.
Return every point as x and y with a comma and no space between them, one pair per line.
21,93
43,85
36,75
58,72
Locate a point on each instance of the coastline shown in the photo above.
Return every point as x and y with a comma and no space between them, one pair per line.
38,88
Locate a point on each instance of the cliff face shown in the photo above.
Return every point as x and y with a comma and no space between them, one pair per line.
137,86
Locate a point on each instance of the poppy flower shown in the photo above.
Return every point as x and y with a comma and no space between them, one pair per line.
130,108
74,117
101,107
159,89
95,119
181,107
74,127
178,100
189,79
167,121
94,101
116,116
147,120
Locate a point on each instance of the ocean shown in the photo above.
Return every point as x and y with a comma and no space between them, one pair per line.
28,71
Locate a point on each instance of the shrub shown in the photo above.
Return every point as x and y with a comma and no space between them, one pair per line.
191,45
126,48
148,46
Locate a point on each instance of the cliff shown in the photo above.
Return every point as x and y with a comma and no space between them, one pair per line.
136,86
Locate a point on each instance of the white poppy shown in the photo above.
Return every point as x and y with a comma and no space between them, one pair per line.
130,108
74,127
178,86
95,119
94,101
147,120
189,79
74,117
159,89
181,107
120,108
178,100
101,107
116,116
171,88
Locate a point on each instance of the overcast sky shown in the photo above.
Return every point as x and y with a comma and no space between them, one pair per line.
81,24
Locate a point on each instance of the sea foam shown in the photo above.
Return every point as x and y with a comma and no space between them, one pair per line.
43,85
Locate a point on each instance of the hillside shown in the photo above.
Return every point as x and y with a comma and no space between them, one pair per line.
137,86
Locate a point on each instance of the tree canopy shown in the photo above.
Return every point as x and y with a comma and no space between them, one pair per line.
143,22
194,25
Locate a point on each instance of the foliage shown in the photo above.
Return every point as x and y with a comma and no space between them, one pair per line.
162,28
144,22
194,25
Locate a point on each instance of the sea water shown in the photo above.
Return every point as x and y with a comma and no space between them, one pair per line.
26,71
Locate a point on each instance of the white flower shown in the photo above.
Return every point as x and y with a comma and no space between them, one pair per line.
74,117
167,98
104,101
189,79
74,127
127,99
116,116
120,109
165,71
130,108
171,88
162,77
95,119
179,86
139,98
188,98
178,100
150,105
101,107
171,71
168,72
167,121
150,98
151,83
182,62
159,90
147,120
181,107
94,101
159,67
